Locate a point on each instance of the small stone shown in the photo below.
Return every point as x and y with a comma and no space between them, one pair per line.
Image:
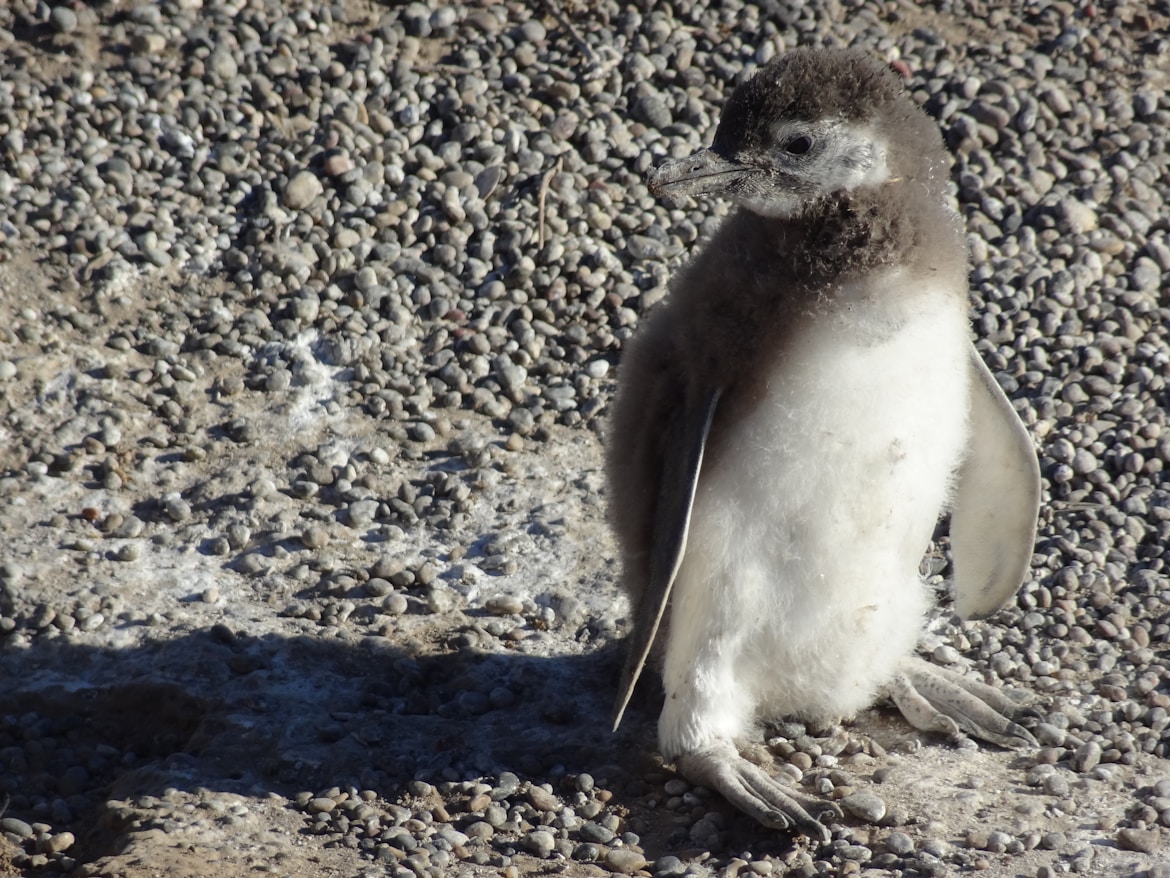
395,604
652,111
1078,217
669,866
1143,841
899,843
543,800
316,537
361,513
337,164
624,861
586,853
128,552
1056,785
480,830
223,64
379,588
595,832
1087,757
865,806
503,605
320,805
301,190
540,842
945,654
176,508
421,431
63,19
148,44
16,826
506,785
59,842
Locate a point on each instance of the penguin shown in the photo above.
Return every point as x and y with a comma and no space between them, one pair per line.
791,422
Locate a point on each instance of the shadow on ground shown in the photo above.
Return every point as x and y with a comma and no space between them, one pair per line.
212,710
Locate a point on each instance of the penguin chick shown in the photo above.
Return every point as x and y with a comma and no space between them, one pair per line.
792,421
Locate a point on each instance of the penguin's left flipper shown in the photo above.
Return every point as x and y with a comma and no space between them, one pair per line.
719,767
997,498
935,699
682,458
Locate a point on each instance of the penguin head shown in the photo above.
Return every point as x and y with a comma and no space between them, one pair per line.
811,124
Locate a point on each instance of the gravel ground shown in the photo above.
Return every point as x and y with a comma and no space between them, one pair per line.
309,316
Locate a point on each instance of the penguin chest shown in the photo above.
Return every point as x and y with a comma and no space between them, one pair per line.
799,580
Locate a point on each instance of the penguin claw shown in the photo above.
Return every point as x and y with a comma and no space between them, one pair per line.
936,699
719,767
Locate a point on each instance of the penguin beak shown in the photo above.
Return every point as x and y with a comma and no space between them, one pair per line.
704,173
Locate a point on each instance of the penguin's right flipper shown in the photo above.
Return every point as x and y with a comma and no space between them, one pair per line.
997,497
719,767
682,458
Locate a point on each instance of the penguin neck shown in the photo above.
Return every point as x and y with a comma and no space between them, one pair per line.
849,234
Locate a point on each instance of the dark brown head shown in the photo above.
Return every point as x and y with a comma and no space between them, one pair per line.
811,124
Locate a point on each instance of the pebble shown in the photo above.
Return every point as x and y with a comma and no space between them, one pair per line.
540,842
624,861
302,189
63,19
16,826
316,537
1146,841
865,806
1087,757
595,832
899,843
504,605
543,800
59,842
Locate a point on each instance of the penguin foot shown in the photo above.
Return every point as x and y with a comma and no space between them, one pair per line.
719,767
935,699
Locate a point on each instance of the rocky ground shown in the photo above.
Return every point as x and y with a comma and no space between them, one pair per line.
309,316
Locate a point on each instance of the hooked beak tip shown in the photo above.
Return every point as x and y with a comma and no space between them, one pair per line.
704,172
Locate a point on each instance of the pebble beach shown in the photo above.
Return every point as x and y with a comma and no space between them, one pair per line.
310,315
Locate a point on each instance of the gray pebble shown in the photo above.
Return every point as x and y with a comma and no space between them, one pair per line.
361,513
1146,841
543,800
540,842
504,605
176,508
624,861
128,552
1057,784
480,830
302,189
595,832
506,785
316,537
1087,757
865,806
16,826
899,843
63,19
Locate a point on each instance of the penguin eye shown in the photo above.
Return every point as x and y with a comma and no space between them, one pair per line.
798,145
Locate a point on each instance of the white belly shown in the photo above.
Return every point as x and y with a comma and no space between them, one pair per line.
799,590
